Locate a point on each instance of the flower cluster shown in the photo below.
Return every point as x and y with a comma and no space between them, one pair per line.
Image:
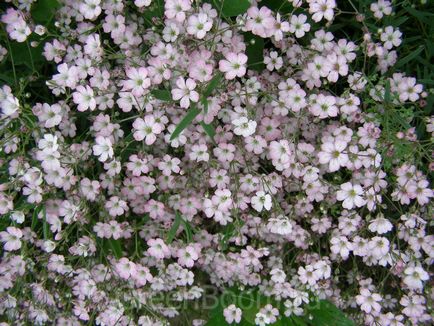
166,158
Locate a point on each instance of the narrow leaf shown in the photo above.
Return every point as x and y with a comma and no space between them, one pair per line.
231,8
162,94
212,85
175,226
43,11
45,227
387,96
192,113
187,229
209,129
409,57
115,246
325,313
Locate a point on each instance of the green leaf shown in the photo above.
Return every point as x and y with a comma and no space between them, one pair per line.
325,313
409,57
24,54
162,94
115,246
230,8
36,211
254,51
175,226
209,129
192,113
228,232
282,6
45,226
43,11
212,85
156,10
188,231
422,16
295,321
9,79
387,94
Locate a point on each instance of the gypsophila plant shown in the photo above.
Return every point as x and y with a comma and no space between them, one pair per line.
216,162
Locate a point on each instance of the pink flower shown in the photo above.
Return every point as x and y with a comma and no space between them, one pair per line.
420,191
260,21
11,238
199,25
176,9
322,9
233,65
125,268
147,129
158,249
185,92
116,206
232,314
324,107
298,25
84,98
138,81
199,153
187,256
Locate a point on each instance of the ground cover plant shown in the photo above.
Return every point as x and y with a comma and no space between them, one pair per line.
216,162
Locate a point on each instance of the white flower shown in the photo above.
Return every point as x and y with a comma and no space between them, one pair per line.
244,127
279,225
380,8
11,238
48,144
260,201
103,148
391,37
198,25
90,9
261,319
9,106
277,275
116,206
341,245
232,314
380,225
137,82
414,275
142,3
368,301
351,195
50,115
293,308
48,246
17,217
